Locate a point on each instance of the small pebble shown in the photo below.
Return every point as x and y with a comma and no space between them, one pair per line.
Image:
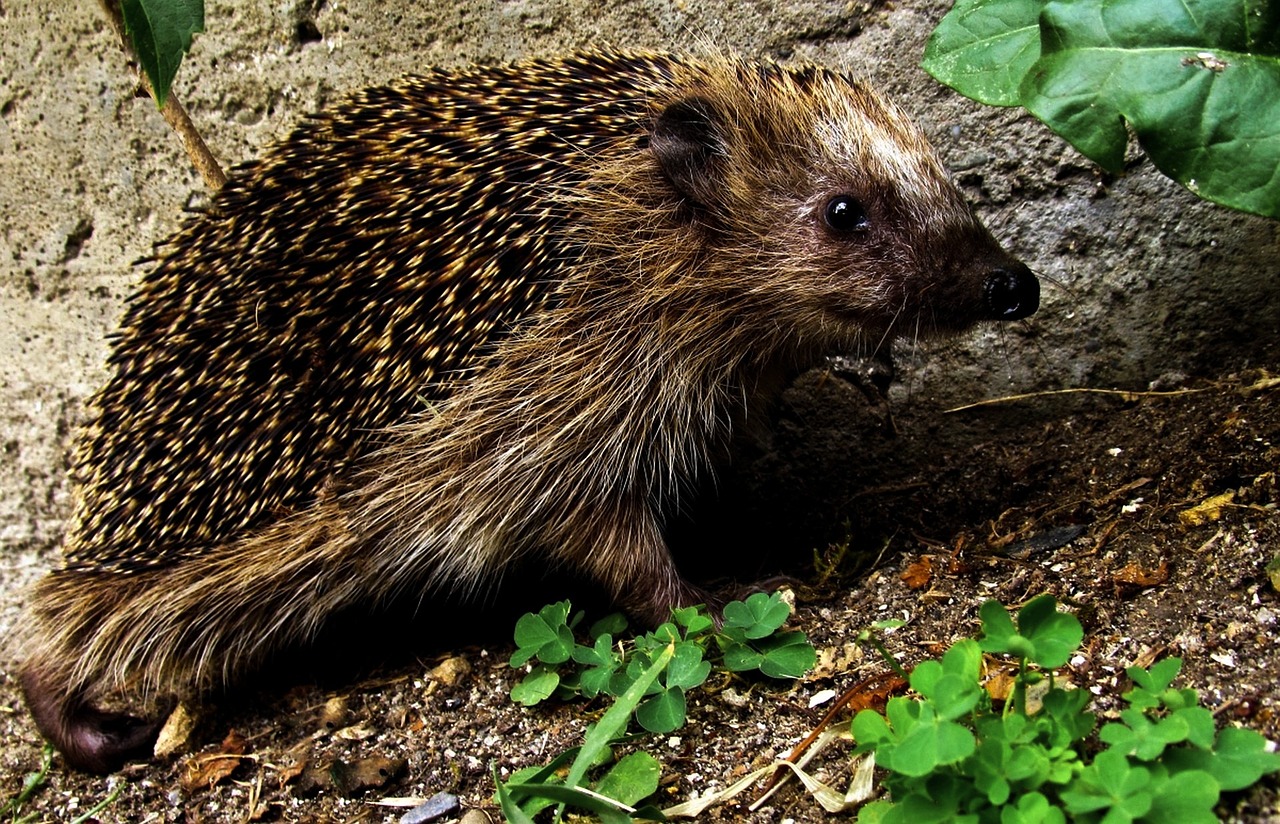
437,806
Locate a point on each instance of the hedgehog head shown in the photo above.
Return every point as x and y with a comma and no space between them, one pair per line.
824,207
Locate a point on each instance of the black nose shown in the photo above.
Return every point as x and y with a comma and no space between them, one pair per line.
1011,293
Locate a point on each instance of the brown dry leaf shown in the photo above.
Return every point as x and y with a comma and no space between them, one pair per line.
205,771
833,661
1000,686
175,735
920,573
1148,657
356,732
1206,511
294,762
1133,574
369,773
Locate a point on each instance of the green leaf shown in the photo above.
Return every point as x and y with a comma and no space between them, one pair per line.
161,32
693,619
1158,678
998,632
687,669
530,803
545,636
510,809
983,48
1044,635
663,712
787,655
877,812
952,684
1110,783
741,658
633,779
1032,808
760,615
614,721
1198,81
1054,634
612,624
537,686
606,810
869,729
1066,709
1200,725
597,680
952,696
1189,799
602,666
925,742
598,654
1238,759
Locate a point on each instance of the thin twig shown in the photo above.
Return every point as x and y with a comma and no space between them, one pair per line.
1124,393
176,116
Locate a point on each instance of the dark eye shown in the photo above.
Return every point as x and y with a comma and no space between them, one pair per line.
845,214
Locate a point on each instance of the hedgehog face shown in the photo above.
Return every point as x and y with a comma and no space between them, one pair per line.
863,232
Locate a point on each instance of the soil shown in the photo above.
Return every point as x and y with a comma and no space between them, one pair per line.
1097,498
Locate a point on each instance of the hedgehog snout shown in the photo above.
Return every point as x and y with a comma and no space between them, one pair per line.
1011,292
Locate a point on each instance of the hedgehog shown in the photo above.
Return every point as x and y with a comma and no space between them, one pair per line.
471,318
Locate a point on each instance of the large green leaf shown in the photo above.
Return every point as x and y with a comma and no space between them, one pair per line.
984,48
1189,76
1198,82
161,32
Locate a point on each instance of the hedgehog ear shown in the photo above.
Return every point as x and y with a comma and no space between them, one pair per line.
688,143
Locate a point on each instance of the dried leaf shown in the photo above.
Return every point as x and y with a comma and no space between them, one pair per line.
1000,686
356,732
833,661
175,735
920,573
350,778
294,762
1134,574
1206,511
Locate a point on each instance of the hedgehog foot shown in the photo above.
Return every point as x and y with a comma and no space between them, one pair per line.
89,739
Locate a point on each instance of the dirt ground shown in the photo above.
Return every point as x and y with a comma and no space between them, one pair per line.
975,522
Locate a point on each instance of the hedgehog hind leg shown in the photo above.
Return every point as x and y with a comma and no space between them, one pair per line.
628,555
89,738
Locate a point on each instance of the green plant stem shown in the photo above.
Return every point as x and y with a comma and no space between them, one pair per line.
100,806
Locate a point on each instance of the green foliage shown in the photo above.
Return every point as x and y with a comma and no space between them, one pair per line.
952,756
648,679
161,32
32,784
750,640
35,781
1198,82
